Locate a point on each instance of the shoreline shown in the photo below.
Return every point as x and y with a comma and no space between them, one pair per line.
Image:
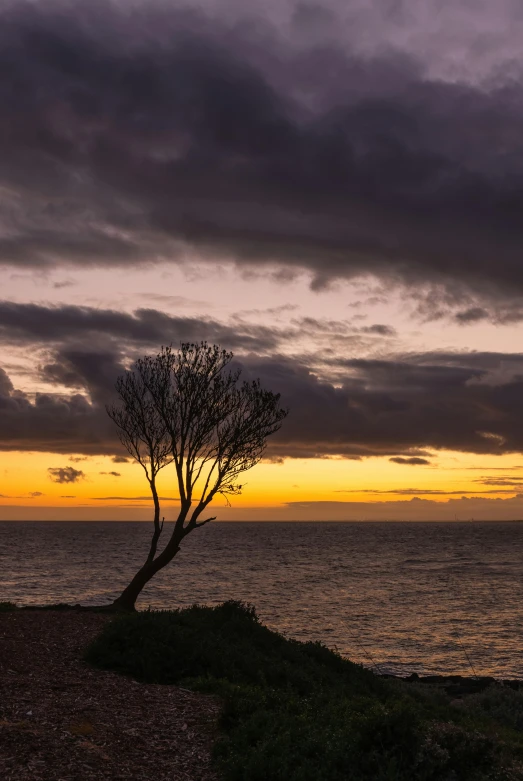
62,717
452,683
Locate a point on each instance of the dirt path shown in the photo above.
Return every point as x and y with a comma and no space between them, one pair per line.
63,721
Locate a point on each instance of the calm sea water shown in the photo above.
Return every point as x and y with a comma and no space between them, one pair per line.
405,597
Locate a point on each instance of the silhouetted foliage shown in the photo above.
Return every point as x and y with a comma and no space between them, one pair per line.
7,607
187,407
298,711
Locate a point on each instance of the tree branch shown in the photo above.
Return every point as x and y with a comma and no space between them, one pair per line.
202,523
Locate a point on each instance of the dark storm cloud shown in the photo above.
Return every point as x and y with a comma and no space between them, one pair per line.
139,133
85,368
22,323
65,474
404,408
412,461
86,346
54,423
6,386
499,312
396,408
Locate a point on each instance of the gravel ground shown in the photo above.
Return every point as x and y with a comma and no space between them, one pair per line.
60,720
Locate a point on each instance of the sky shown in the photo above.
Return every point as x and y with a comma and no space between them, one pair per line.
332,191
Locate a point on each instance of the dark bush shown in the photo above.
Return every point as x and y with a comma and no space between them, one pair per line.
298,711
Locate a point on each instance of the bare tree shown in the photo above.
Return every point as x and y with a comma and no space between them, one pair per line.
188,408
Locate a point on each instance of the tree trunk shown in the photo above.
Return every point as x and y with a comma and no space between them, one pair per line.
128,597
157,526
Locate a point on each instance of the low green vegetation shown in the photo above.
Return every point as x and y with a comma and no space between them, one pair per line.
501,703
7,607
299,712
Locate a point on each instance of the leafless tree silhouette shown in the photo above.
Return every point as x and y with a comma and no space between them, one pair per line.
187,407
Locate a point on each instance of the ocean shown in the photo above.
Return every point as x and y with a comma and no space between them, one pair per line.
428,598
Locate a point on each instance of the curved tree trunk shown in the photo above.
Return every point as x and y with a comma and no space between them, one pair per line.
128,597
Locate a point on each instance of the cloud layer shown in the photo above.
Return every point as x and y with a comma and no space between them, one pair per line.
318,140
400,407
158,132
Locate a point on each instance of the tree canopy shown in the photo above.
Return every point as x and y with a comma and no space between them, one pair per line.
188,407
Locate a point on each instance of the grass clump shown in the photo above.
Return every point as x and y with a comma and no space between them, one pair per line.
299,712
7,607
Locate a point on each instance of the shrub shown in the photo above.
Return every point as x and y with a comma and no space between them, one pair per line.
501,703
224,643
297,711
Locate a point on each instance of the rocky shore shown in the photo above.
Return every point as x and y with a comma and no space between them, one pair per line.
458,686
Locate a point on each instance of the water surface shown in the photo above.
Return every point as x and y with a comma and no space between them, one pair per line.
404,597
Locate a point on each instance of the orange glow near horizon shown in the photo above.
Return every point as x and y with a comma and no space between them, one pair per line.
26,482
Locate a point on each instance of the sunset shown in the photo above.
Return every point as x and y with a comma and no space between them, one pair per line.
458,486
353,239
261,390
